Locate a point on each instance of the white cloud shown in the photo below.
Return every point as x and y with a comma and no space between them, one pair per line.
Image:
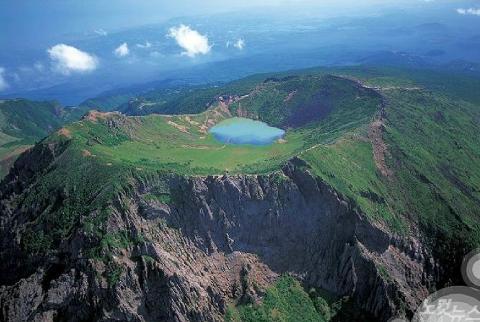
145,45
101,32
469,11
67,59
190,40
122,50
3,83
239,44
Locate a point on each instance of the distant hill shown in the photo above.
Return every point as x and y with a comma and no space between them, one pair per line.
24,122
398,59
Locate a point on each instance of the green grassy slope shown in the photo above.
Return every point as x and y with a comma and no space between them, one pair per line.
180,99
438,178
284,301
182,142
24,122
434,156
157,143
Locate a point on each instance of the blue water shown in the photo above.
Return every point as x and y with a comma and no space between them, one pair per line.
239,130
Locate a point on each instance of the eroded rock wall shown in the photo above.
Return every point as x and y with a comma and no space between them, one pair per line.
216,240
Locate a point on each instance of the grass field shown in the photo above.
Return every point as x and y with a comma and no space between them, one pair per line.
172,143
183,144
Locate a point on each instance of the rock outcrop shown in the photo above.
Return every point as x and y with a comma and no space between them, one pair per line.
213,241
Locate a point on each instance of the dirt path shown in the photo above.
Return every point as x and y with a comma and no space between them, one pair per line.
380,149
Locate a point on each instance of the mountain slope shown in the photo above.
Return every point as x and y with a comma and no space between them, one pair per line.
24,122
370,203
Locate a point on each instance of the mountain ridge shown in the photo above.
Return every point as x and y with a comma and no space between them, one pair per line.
24,122
347,206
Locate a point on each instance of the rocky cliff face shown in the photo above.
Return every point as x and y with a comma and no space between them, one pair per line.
192,245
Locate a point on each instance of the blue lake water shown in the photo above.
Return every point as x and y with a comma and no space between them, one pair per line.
239,130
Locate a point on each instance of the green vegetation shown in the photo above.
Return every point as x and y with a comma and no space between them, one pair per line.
384,273
36,242
294,102
168,99
287,301
284,301
438,178
79,190
27,119
163,197
113,273
24,122
432,146
348,166
182,143
148,259
165,147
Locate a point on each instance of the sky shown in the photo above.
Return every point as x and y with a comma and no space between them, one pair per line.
26,24
50,42
33,21
27,17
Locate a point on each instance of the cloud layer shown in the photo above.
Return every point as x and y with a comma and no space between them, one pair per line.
239,44
147,44
68,59
190,40
3,82
101,32
469,11
122,50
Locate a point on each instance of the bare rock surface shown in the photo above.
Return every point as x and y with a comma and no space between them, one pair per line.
218,240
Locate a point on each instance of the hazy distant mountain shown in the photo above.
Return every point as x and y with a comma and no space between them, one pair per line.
271,41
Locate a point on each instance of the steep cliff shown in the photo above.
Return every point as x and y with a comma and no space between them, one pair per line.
182,248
